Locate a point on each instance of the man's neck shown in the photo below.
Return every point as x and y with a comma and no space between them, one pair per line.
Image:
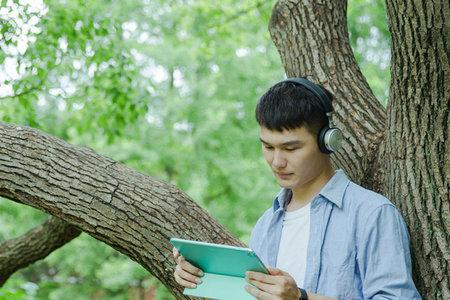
303,195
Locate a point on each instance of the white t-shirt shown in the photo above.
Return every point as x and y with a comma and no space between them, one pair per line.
294,243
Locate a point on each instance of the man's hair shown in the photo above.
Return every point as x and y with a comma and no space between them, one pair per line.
288,106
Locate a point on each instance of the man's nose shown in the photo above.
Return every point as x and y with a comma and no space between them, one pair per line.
279,161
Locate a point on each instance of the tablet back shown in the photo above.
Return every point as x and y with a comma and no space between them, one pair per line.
219,259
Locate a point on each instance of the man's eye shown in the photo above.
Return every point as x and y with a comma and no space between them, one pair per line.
291,149
268,147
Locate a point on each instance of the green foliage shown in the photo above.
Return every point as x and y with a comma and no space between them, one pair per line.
167,88
10,212
76,57
7,293
370,40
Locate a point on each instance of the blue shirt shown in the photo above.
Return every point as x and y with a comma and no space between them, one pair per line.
358,246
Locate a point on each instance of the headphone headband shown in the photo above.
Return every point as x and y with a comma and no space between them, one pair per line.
330,137
315,89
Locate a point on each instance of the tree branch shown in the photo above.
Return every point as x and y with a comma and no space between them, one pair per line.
130,211
34,245
25,92
241,12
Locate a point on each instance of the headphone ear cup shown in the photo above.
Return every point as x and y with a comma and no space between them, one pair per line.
330,139
321,140
333,139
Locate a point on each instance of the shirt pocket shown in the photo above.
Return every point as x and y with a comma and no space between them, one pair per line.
338,273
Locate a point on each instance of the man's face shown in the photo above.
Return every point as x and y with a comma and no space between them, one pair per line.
293,156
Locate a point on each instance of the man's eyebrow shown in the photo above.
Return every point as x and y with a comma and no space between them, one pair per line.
292,143
263,141
288,143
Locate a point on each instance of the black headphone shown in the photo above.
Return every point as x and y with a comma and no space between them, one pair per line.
330,137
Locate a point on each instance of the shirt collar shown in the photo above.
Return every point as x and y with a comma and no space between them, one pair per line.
333,191
282,199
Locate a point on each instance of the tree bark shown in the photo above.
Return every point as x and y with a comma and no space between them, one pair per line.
312,39
418,167
126,209
36,244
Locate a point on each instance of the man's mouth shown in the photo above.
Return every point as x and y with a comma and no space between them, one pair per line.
283,175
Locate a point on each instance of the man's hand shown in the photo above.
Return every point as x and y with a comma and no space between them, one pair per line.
277,285
186,274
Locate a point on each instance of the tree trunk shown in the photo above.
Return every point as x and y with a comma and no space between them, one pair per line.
312,39
128,210
405,155
417,166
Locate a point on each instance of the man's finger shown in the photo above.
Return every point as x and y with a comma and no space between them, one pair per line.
258,276
186,279
265,287
185,265
276,272
183,274
257,293
175,253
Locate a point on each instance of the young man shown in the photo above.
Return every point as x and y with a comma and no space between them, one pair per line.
325,237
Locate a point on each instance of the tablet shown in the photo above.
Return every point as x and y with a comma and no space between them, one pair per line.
218,258
224,267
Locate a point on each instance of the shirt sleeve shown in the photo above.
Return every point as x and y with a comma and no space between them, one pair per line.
257,235
253,238
383,256
258,242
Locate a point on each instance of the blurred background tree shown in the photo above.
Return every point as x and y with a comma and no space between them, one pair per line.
165,87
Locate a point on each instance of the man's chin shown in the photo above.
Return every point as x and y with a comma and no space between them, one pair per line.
284,183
